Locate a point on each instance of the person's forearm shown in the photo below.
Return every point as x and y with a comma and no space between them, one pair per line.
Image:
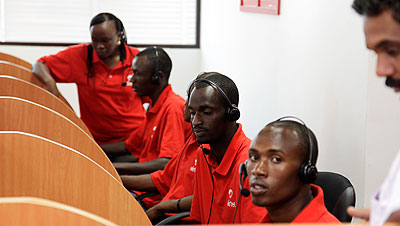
170,206
42,72
141,168
114,149
139,183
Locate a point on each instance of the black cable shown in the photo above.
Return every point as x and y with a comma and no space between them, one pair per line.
212,197
238,201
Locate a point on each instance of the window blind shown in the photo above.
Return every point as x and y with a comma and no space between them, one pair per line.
147,22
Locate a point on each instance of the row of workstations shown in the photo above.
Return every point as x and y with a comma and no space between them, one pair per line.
51,169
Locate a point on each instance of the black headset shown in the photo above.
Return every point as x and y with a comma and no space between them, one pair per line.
308,171
156,79
232,112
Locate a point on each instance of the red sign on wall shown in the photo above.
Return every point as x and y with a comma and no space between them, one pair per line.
260,6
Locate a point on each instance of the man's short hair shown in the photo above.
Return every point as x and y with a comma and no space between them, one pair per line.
162,62
223,82
305,135
373,8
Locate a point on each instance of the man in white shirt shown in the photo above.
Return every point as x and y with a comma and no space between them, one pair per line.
382,35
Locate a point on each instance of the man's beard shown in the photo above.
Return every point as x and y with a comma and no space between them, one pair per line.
394,83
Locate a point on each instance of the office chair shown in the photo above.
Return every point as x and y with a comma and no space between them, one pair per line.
339,194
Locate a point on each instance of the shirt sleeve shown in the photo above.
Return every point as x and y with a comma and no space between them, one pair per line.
173,136
63,63
135,140
162,178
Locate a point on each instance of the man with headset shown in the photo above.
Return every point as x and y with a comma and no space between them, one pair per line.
174,182
213,109
281,167
382,35
164,131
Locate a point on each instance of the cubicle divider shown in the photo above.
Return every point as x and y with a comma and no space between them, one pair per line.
38,167
15,60
35,211
12,69
15,87
22,115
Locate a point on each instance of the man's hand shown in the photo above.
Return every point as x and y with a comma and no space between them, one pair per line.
155,212
362,214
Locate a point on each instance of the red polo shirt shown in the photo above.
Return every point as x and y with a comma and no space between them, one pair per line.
226,186
110,111
176,180
314,212
164,130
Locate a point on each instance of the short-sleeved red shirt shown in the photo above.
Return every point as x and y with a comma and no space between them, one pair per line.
164,130
176,180
225,184
314,212
110,111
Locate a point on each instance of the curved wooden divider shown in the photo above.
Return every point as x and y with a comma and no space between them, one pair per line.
17,114
36,211
15,60
7,68
12,86
42,168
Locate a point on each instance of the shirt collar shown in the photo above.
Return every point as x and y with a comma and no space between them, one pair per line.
161,99
315,209
312,212
127,61
231,152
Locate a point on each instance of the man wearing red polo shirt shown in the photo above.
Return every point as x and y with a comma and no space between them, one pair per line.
174,182
281,167
213,108
165,130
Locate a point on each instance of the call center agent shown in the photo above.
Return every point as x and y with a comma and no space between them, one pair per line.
164,132
281,167
110,111
213,109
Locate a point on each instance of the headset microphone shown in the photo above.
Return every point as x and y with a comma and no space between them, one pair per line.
243,191
242,176
126,84
206,151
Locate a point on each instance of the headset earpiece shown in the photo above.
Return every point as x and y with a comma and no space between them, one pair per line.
156,79
308,171
232,113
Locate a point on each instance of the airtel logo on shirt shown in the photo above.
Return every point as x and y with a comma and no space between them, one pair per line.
230,203
193,168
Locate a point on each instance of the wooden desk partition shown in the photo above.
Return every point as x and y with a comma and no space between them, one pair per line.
15,60
17,114
7,68
38,212
15,87
38,167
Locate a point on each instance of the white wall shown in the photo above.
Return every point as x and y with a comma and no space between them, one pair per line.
310,62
